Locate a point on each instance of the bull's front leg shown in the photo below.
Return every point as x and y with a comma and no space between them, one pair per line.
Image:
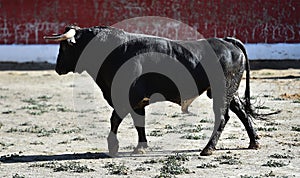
139,123
112,141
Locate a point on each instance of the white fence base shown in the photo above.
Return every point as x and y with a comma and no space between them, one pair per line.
48,53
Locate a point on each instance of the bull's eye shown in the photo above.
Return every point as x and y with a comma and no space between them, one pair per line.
63,47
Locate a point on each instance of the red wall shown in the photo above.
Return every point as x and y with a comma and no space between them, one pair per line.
253,21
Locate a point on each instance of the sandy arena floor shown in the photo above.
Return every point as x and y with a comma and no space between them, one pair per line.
56,126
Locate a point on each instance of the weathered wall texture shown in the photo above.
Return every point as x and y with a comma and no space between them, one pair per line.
253,21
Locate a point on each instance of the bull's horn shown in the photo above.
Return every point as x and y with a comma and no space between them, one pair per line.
69,34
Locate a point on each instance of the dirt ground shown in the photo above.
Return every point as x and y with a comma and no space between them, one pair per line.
56,126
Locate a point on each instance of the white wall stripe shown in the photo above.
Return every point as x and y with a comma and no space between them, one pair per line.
48,53
276,51
28,53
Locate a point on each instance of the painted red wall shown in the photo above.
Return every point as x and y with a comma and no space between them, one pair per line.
252,21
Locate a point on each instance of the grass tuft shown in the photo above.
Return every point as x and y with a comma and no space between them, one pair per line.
156,133
207,165
70,166
228,159
18,176
194,137
281,156
172,165
296,128
41,132
273,163
117,169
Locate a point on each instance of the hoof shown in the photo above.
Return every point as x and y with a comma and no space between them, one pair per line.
139,151
184,110
113,144
113,151
140,148
254,145
206,152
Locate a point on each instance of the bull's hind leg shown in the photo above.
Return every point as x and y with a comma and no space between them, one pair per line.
237,107
112,141
139,123
211,145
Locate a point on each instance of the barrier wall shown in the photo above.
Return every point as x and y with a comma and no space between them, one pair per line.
253,21
266,22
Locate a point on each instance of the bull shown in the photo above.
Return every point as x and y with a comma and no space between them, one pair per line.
229,53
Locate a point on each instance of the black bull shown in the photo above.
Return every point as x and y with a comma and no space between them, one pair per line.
178,70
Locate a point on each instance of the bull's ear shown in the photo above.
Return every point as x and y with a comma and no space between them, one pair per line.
74,26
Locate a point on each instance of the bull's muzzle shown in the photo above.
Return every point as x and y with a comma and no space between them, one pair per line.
60,72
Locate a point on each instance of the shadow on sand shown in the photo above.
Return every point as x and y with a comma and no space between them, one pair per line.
15,158
278,77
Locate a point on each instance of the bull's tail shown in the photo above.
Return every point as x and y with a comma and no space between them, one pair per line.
247,104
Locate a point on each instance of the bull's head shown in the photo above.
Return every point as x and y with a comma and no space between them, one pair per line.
71,46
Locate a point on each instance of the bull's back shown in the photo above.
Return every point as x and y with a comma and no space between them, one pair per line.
230,56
